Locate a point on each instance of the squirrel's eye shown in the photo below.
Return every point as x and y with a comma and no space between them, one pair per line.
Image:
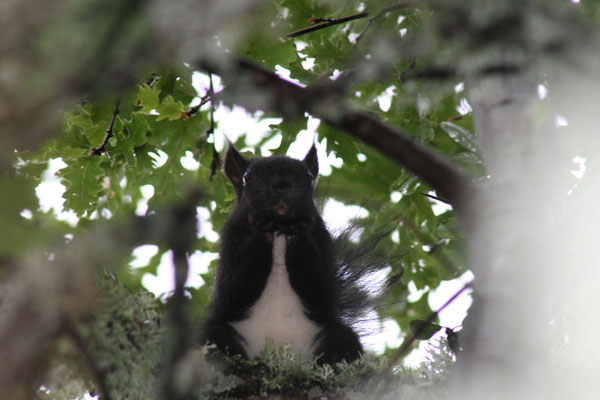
311,178
246,177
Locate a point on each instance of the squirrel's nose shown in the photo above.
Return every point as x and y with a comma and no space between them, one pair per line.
281,208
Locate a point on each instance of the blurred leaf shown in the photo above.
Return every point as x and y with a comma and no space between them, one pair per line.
423,330
450,228
470,162
461,136
17,233
332,55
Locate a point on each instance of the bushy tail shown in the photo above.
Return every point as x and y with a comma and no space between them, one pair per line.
361,272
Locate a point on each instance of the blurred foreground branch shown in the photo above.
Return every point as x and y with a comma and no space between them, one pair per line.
50,291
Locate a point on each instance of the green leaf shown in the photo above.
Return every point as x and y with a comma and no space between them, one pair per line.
82,180
407,183
270,50
297,71
148,98
16,234
426,130
461,136
417,310
331,55
94,133
132,136
450,228
289,130
170,109
138,127
470,162
423,330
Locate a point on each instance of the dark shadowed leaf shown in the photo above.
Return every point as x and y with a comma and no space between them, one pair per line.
423,330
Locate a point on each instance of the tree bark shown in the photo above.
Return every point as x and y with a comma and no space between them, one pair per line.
518,228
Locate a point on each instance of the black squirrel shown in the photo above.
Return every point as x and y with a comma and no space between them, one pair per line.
278,278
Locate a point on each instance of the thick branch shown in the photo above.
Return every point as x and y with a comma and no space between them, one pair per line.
437,172
322,102
41,297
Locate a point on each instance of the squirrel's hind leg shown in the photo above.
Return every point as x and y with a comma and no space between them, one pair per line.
225,337
337,342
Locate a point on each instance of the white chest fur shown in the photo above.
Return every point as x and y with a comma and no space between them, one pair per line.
278,314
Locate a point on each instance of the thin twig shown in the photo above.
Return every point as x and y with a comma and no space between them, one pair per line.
216,159
96,151
435,197
193,110
411,66
215,163
98,375
328,22
211,95
382,13
407,344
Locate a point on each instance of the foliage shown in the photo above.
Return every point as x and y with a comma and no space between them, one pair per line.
114,145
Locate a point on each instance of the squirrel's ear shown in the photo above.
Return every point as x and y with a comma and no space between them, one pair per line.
235,166
312,161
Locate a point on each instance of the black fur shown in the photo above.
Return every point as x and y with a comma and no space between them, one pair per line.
275,194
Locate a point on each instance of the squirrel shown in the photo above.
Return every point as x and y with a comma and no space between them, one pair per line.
278,279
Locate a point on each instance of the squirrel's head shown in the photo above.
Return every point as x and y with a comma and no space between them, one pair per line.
273,190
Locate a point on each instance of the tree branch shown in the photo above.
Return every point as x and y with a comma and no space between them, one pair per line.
216,159
96,151
98,374
445,73
180,235
293,101
193,110
41,296
407,344
328,22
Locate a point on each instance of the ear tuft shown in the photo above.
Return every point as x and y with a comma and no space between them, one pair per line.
235,166
312,161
